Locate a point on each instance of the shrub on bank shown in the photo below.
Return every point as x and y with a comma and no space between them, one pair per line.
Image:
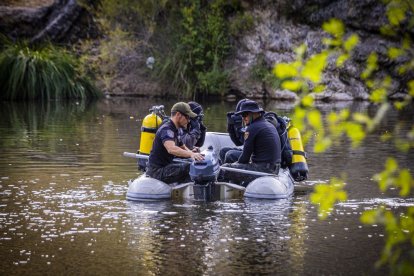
45,72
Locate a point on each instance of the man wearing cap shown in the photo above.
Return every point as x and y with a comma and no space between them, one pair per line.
167,145
194,135
261,148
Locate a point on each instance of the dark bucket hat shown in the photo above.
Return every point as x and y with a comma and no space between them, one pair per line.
196,107
239,104
250,106
183,108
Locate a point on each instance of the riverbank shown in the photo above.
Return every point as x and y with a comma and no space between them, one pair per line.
256,37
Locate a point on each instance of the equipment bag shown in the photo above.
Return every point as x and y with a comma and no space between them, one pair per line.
281,126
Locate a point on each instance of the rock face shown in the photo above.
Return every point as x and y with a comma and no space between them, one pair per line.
62,21
280,27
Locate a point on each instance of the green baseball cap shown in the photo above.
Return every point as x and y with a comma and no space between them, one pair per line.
183,108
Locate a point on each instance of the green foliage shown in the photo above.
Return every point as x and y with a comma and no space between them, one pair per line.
240,24
120,13
107,61
326,195
393,176
372,65
306,75
195,63
42,73
214,81
260,72
400,235
189,40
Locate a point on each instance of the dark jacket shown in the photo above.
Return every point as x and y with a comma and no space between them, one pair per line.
261,143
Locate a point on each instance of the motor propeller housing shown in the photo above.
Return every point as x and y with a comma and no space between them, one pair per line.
207,170
204,174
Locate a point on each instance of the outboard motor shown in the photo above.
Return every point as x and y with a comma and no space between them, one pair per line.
204,175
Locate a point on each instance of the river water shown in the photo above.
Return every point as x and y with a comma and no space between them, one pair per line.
63,182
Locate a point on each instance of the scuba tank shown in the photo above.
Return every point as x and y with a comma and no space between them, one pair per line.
149,127
299,168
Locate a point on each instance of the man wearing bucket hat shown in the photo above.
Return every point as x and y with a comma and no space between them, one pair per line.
167,145
236,130
194,135
261,148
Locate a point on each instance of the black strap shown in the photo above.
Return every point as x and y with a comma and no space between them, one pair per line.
298,152
149,129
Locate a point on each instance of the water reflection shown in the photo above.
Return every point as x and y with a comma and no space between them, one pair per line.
255,236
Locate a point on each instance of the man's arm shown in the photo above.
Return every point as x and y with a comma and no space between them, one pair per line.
180,152
247,148
192,134
234,124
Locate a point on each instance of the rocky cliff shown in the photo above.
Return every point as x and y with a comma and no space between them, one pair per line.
281,26
61,21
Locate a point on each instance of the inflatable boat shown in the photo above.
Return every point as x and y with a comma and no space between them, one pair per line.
204,185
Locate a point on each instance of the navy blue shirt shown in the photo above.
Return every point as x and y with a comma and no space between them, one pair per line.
159,156
261,143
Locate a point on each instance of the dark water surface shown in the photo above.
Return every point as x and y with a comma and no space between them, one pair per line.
63,182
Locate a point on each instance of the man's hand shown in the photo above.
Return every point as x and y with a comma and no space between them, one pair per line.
197,156
194,124
196,149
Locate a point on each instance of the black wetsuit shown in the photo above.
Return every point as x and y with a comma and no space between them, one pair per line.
160,163
261,152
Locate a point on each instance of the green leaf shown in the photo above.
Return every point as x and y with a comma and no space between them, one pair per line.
402,145
372,65
301,50
319,88
314,67
321,145
394,53
355,133
391,165
406,43
395,13
334,27
292,85
361,118
327,41
411,88
285,70
369,217
386,137
351,42
378,95
341,59
344,114
405,182
326,195
307,101
388,30
400,105
315,119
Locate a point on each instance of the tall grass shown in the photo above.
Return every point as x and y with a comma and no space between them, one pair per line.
41,73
